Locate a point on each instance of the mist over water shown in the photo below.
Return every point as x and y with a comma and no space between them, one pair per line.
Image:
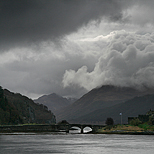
75,144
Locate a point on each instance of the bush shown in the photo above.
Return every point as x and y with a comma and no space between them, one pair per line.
135,122
151,120
109,121
63,122
145,126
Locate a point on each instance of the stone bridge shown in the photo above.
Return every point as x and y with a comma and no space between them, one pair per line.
67,127
48,128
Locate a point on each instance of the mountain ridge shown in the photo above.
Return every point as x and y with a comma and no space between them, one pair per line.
98,98
54,101
131,108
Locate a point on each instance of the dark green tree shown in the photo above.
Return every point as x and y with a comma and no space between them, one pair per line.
109,121
1,92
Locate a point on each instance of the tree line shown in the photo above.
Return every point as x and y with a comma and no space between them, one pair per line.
8,113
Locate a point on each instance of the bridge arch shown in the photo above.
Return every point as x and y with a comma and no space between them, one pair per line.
87,129
74,129
82,127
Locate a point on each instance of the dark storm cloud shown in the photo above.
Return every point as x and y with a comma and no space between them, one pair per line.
24,21
91,51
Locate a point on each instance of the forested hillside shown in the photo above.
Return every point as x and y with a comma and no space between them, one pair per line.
8,113
18,109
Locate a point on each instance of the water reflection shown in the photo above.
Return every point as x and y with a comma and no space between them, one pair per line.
87,129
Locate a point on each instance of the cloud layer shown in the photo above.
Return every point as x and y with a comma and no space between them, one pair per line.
69,47
128,60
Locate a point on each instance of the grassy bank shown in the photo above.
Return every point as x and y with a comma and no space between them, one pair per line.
143,129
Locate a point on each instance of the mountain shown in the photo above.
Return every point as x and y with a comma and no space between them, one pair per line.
99,98
15,109
54,101
131,108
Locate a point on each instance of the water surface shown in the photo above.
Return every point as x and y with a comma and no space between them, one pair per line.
75,144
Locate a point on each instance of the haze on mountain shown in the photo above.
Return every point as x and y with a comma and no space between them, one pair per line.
54,102
70,47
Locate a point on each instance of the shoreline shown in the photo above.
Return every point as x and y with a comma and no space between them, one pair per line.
124,132
116,129
59,132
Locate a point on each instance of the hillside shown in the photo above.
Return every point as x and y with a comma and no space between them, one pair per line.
131,108
99,98
20,109
54,101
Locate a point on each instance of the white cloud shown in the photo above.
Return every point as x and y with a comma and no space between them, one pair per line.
141,13
38,69
127,61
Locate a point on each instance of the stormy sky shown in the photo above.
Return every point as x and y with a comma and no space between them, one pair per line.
72,46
